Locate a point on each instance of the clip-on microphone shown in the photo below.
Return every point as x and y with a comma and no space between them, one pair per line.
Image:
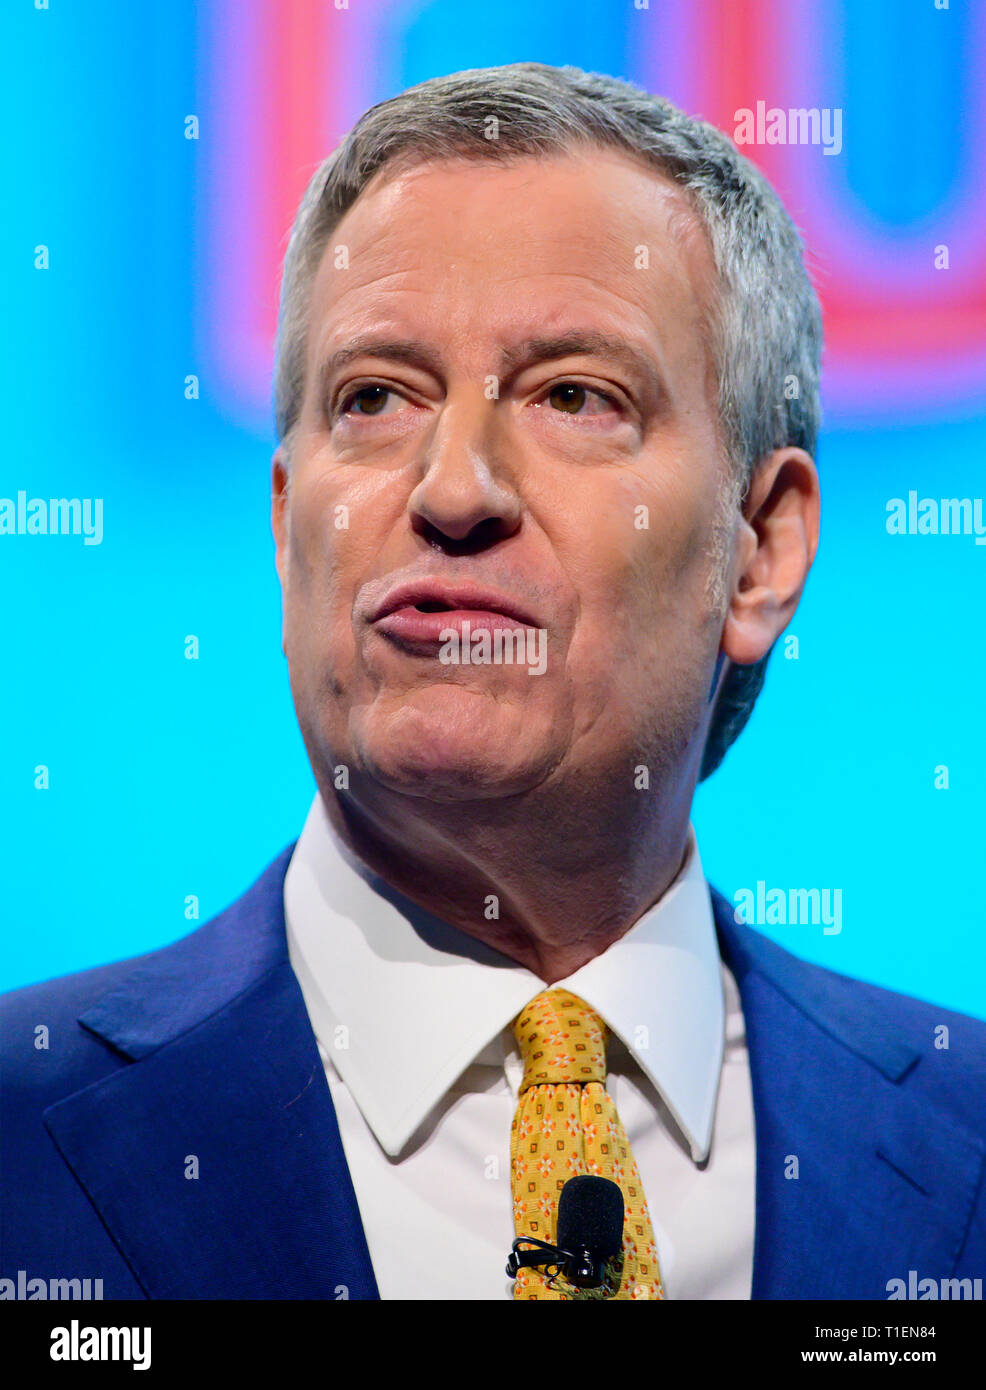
590,1240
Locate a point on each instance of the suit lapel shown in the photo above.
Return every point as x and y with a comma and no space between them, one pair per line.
215,1160
857,1182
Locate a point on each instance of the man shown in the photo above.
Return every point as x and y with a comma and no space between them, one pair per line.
543,502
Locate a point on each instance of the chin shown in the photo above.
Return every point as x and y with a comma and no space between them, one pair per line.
465,747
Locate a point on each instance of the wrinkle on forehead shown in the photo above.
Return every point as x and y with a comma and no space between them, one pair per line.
379,229
683,219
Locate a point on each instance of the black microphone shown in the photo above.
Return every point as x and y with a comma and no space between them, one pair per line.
590,1224
590,1238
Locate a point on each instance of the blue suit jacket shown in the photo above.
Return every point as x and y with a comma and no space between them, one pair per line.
204,1048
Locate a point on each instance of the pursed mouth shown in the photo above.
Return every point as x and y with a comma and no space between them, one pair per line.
456,605
423,629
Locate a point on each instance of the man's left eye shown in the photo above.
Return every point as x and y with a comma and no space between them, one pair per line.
570,397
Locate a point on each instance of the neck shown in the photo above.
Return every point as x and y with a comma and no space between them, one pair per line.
545,878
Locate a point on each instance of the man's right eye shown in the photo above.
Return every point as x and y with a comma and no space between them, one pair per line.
367,400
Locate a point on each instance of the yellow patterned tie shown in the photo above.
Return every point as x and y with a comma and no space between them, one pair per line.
566,1125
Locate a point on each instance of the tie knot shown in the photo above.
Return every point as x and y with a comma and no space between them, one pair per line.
561,1040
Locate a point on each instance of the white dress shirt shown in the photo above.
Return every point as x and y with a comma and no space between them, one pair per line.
412,1019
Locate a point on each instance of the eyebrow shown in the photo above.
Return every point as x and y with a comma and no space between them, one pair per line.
407,350
578,342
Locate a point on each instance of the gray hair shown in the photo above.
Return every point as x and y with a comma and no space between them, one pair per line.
766,334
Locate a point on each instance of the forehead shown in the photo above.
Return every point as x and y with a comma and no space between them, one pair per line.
490,252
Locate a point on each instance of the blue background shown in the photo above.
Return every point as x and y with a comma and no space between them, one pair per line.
172,777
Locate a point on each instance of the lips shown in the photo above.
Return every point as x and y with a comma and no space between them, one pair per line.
434,596
416,614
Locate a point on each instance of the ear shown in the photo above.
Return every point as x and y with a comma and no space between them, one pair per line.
280,488
776,544
280,491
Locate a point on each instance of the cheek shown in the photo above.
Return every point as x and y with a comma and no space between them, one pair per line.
336,519
323,558
644,554
641,576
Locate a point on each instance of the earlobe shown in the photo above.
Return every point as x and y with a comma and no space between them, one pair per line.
774,554
279,493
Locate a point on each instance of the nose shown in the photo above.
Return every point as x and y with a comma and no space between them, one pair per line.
466,497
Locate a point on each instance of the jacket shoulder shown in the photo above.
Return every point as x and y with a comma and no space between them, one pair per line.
939,1052
46,1049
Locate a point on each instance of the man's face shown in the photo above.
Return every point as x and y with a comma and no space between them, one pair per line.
526,437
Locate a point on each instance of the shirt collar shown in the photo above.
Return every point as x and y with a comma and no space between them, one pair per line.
402,1002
